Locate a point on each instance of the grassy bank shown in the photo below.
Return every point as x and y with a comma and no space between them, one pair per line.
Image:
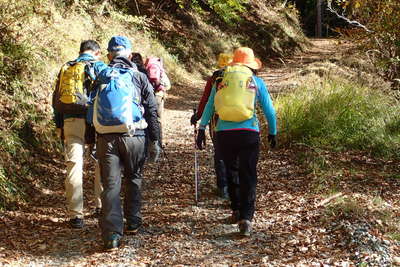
338,114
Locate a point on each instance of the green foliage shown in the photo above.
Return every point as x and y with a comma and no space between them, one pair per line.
340,115
228,10
382,18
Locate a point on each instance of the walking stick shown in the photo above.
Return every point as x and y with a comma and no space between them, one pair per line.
196,167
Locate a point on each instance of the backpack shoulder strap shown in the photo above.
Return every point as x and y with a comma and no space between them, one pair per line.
89,69
218,76
71,62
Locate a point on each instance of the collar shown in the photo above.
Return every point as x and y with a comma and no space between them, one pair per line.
123,62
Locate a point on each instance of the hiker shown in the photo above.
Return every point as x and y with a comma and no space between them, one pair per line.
138,60
234,99
69,115
121,138
219,167
161,83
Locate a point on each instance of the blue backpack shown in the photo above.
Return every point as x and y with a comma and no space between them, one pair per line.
117,107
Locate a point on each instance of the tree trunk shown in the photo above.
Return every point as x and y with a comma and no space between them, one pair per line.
319,19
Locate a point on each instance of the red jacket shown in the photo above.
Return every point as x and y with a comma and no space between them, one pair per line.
207,92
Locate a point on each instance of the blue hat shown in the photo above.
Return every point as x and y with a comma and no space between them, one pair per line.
117,43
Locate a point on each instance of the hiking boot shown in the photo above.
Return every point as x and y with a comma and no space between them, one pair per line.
76,223
245,227
112,242
133,227
234,218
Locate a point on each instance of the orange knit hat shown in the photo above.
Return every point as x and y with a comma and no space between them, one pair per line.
245,56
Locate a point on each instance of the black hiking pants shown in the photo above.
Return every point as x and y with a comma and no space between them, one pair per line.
115,151
219,165
240,150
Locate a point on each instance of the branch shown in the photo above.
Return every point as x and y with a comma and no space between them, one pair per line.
351,22
137,7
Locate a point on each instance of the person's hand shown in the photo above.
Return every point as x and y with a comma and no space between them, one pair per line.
272,140
155,151
194,119
201,139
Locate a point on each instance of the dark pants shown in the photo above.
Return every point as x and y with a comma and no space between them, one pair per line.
219,166
240,150
115,151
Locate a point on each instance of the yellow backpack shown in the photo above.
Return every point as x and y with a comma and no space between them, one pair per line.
70,95
236,93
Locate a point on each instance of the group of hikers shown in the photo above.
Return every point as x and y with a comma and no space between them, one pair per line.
117,110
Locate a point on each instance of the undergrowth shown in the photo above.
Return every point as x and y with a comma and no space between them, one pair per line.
338,114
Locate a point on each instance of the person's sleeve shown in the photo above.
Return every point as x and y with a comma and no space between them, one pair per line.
165,81
90,103
204,97
209,110
267,106
58,119
150,105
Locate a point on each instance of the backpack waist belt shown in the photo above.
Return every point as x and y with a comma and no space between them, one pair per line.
138,132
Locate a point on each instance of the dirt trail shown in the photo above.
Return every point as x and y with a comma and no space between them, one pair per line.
288,230
278,74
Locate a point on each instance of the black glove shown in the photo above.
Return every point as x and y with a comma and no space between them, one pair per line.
272,140
201,139
194,119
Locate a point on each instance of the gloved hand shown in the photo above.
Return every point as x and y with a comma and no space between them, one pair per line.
155,151
194,119
201,139
272,140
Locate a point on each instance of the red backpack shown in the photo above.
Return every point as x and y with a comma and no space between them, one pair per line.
155,70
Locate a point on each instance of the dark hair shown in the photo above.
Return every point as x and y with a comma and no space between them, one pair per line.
137,59
89,45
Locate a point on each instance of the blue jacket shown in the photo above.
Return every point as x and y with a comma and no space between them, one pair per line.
264,99
98,66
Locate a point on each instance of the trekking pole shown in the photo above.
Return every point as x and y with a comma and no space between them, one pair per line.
196,166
